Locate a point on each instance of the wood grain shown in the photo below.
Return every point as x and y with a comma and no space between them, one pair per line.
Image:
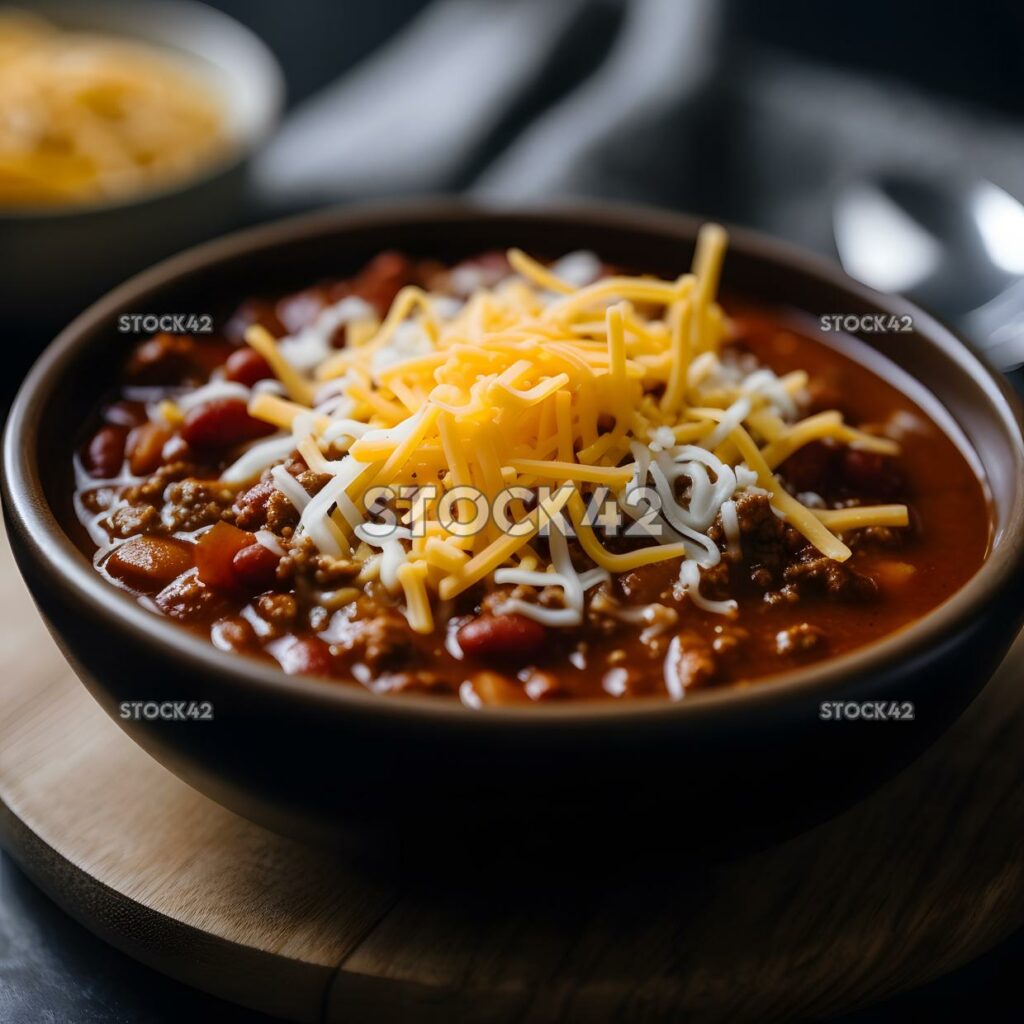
918,879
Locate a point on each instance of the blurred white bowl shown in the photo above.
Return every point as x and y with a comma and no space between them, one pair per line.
56,260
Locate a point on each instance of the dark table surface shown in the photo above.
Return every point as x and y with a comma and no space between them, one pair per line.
53,970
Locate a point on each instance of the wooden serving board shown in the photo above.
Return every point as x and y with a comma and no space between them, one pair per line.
923,876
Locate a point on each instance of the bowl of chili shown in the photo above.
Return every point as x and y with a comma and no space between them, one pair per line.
849,535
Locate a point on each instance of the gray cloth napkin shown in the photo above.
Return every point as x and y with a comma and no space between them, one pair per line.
411,116
671,109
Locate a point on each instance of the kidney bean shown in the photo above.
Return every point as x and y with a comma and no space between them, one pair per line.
188,599
146,446
255,568
381,279
303,655
103,456
215,553
247,366
493,636
871,474
222,423
149,563
163,359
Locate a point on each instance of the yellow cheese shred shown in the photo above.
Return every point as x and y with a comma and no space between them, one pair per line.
532,384
412,577
260,339
796,514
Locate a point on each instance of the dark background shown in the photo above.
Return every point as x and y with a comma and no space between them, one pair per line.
969,51
53,970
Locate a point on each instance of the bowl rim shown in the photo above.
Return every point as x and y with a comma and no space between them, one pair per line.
234,156
57,556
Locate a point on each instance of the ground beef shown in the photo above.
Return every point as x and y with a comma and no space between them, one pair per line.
135,519
799,639
767,543
250,507
715,583
191,503
729,640
787,594
764,538
280,610
693,663
779,561
601,609
312,482
334,572
496,598
152,488
99,499
263,506
875,537
281,514
303,559
650,582
380,641
413,682
834,579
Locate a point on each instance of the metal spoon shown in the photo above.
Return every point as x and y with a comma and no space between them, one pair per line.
955,246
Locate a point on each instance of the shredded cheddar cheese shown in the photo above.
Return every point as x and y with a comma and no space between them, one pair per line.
89,118
553,379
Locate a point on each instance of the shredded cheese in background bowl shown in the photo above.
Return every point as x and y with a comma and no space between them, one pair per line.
88,118
553,378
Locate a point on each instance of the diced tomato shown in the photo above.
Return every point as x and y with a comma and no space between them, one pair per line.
215,552
145,447
149,563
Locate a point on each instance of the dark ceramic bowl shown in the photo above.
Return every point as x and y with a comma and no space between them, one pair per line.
307,756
